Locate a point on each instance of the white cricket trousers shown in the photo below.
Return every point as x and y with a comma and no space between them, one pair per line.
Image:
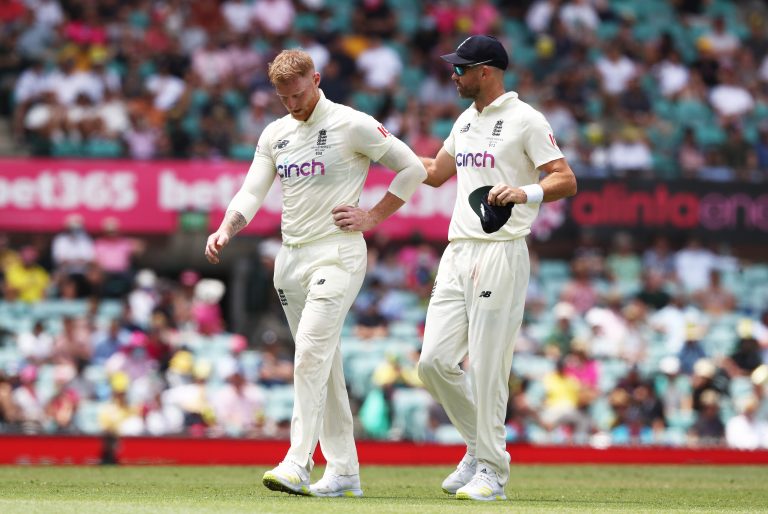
317,283
476,309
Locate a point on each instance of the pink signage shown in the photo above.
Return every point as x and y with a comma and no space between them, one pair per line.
36,195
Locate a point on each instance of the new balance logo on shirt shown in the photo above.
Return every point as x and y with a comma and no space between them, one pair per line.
282,143
320,282
464,129
485,294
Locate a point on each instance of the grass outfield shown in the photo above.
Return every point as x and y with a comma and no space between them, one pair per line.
627,488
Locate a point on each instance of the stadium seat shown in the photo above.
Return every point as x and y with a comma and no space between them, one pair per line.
554,269
66,148
87,417
447,434
441,128
411,79
411,412
709,134
279,403
103,149
611,370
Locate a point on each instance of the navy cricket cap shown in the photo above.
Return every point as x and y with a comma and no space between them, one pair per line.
492,217
477,49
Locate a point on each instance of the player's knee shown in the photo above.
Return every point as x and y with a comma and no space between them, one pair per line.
430,368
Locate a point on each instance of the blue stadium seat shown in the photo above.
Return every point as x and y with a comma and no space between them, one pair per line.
441,128
447,434
87,417
411,412
279,403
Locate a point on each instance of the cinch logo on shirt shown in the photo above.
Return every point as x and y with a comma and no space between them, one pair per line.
475,160
305,169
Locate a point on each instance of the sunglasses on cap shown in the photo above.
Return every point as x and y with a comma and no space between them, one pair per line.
461,69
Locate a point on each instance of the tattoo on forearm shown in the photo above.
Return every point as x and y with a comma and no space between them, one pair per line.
234,222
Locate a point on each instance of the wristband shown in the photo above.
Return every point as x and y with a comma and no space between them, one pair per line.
534,192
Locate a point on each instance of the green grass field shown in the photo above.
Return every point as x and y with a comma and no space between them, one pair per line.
627,488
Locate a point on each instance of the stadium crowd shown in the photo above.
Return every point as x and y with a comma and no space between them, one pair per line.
632,87
628,342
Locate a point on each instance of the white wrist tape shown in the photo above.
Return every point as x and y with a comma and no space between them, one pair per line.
534,192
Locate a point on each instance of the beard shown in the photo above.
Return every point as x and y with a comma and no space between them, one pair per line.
466,91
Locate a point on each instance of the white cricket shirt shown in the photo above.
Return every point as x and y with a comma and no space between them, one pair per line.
322,163
503,144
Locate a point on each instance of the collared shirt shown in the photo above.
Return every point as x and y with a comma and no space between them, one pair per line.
322,163
505,143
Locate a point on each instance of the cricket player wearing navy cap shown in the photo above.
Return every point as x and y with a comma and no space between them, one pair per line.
320,152
497,148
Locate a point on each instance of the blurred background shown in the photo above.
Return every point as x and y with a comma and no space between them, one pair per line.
126,126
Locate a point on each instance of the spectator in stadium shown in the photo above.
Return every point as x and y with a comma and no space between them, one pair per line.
73,344
143,299
747,356
715,300
652,292
72,252
276,367
580,290
622,264
694,264
672,74
142,140
26,281
374,18
36,346
380,65
238,14
62,407
239,406
730,99
194,400
708,429
253,121
690,156
274,17
9,411
674,390
28,404
316,293
746,431
119,416
114,254
206,310
561,405
722,42
761,150
692,352
562,332
629,154
459,323
108,342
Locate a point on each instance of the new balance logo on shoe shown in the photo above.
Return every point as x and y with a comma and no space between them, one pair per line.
485,294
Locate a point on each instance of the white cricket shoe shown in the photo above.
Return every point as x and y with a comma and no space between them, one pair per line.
461,476
337,485
484,486
289,478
